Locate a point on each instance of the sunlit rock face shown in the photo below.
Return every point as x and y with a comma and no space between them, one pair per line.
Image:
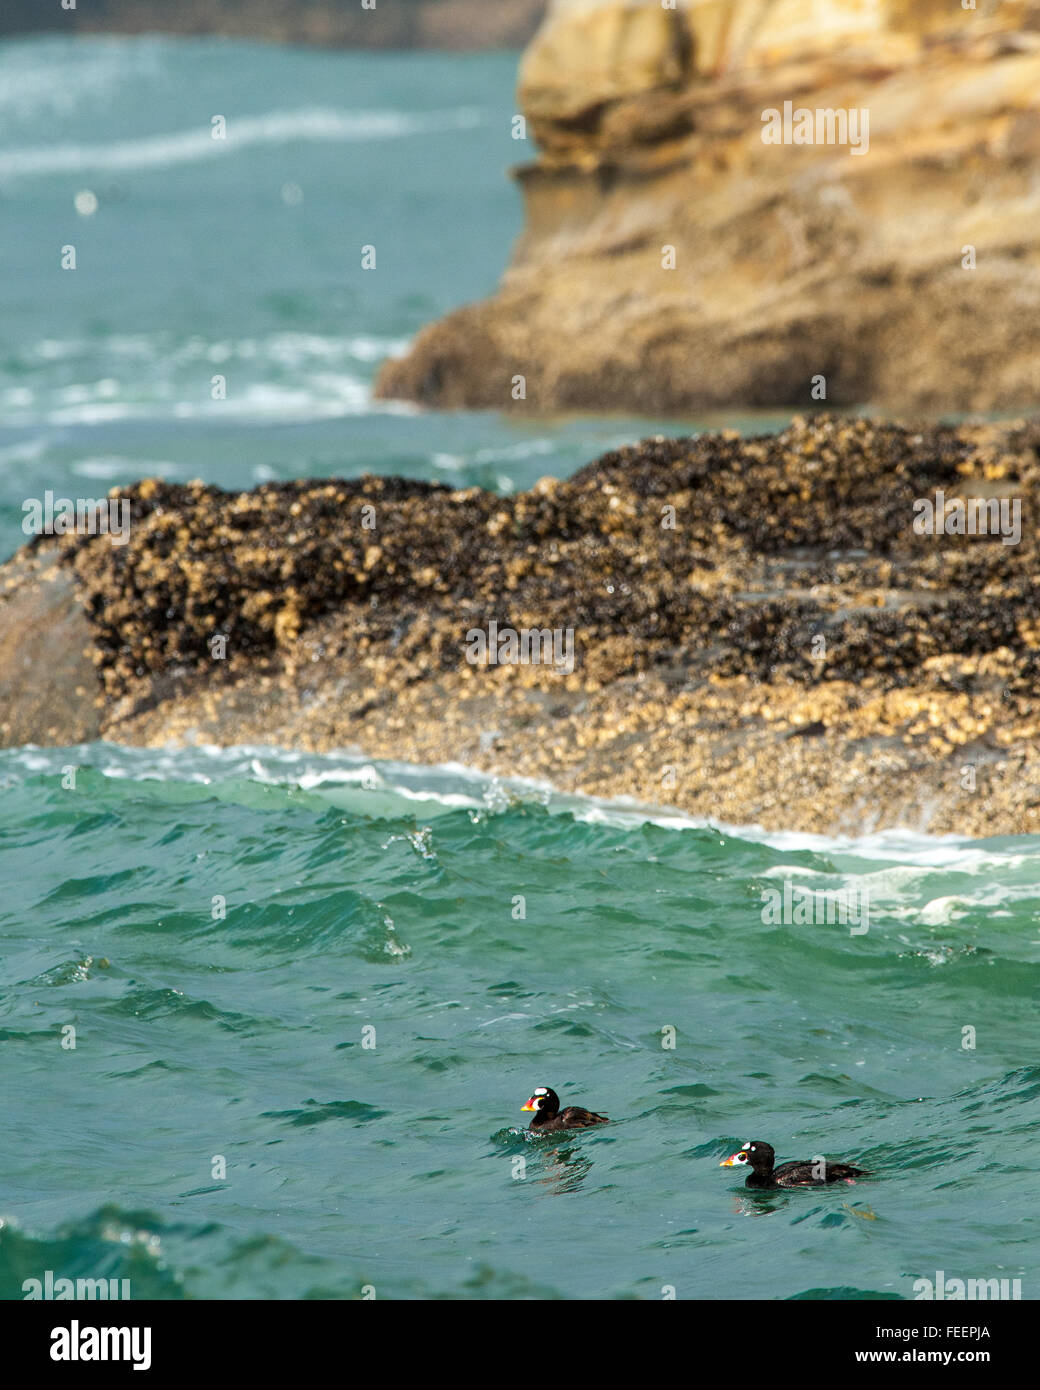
755,202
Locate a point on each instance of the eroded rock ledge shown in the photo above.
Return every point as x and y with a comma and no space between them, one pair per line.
672,261
760,634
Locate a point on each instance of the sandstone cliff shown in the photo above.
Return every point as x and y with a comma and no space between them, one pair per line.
674,260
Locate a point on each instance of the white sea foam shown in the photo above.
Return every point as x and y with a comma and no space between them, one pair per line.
281,376
287,349
25,451
325,395
323,124
51,78
912,855
108,467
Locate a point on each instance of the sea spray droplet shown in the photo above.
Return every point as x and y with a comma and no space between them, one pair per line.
392,946
420,840
496,798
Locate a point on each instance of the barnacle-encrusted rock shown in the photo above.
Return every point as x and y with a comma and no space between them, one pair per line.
759,632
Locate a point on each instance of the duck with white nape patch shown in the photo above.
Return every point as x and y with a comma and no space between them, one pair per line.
549,1117
815,1172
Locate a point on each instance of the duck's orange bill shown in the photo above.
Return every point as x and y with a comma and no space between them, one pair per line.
730,1162
529,1105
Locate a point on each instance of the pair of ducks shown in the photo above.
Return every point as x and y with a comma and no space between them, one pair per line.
548,1118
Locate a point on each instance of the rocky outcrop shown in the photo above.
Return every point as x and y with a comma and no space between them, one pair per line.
757,630
674,260
48,682
453,24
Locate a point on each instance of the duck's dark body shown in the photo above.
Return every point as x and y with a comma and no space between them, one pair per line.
548,1117
574,1117
802,1173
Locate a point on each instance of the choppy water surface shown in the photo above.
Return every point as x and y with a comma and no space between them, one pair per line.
387,901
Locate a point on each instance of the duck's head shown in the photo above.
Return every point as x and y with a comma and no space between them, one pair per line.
758,1154
545,1101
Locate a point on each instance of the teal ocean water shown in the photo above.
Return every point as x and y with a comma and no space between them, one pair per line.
385,899
309,995
242,258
